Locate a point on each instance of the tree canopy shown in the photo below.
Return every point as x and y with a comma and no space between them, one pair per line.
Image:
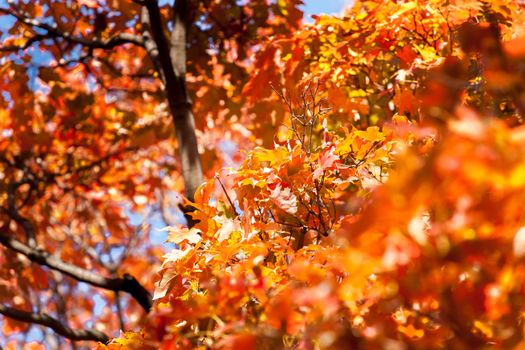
353,183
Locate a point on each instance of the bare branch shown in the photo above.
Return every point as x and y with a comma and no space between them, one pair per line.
227,196
55,32
13,212
48,321
126,284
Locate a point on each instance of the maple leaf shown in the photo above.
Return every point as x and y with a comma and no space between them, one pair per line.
284,198
164,283
178,235
227,227
327,159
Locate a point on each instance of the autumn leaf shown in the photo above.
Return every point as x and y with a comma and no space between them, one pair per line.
326,161
284,198
163,285
178,235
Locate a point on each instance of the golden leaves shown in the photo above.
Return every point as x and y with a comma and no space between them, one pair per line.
404,8
402,220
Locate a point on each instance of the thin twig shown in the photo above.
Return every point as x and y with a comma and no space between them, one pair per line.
227,195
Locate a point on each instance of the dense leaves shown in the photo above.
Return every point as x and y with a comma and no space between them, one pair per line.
387,214
88,171
379,204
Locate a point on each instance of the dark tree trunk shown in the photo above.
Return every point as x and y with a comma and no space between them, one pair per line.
170,59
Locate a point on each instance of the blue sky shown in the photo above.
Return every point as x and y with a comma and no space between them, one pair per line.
323,6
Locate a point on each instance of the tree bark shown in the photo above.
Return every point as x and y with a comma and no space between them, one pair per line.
170,58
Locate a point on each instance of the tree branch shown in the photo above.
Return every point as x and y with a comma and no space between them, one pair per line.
50,322
12,211
54,32
126,284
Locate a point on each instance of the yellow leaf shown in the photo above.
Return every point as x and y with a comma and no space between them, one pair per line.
411,331
428,53
483,328
372,134
517,177
406,7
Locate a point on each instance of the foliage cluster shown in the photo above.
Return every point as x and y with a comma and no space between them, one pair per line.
379,204
388,213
